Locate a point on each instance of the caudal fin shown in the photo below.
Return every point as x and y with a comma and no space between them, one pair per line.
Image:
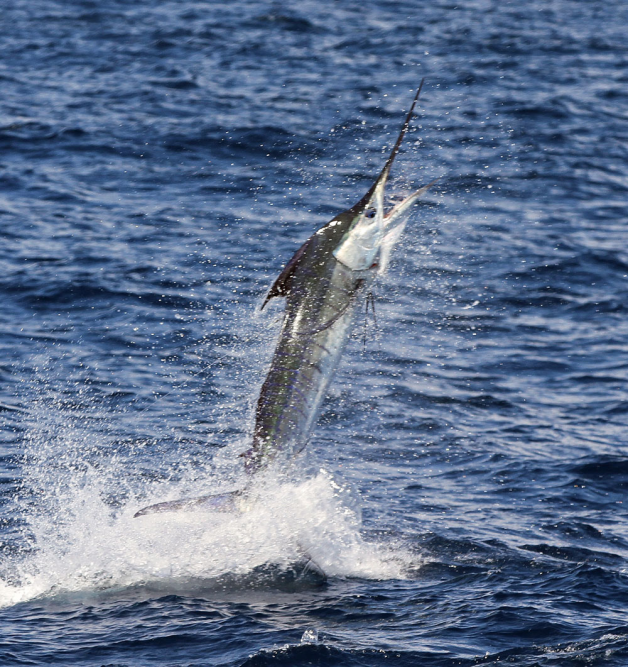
221,502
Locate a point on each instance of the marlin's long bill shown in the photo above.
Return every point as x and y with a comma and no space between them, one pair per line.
323,284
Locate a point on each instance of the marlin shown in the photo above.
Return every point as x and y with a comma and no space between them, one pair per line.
323,284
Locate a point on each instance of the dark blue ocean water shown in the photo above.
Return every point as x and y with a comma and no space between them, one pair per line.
466,488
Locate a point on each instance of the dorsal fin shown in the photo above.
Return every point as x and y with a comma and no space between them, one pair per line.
281,286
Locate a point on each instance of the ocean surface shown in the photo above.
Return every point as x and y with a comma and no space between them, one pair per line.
465,494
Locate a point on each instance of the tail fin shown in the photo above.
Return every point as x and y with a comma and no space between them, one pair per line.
221,502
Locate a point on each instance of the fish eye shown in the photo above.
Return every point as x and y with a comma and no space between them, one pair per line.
370,213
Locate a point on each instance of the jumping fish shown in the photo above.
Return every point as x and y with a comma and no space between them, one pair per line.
323,284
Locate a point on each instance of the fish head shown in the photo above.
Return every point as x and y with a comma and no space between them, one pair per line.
359,246
370,232
374,232
361,237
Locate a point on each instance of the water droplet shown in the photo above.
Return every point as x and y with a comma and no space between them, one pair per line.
310,636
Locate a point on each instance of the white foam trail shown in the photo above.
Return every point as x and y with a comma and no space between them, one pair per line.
90,546
80,492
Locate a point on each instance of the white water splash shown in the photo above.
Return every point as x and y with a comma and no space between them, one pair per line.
81,488
84,544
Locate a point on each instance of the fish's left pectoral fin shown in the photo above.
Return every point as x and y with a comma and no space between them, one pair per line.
388,243
403,207
221,502
399,215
